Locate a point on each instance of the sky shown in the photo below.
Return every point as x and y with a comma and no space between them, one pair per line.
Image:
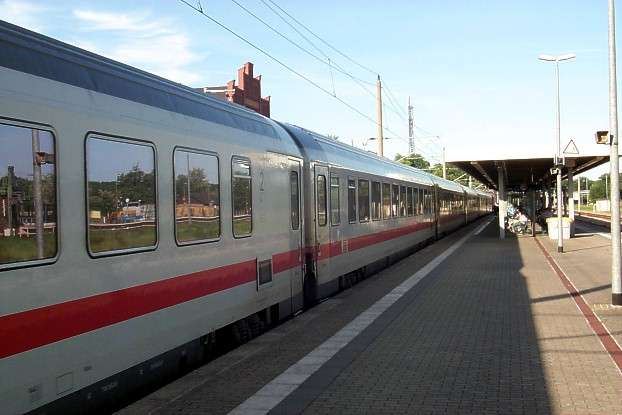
470,67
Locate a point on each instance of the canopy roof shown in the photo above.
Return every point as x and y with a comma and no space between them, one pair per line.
524,173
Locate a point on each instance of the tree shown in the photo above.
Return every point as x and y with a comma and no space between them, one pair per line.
597,190
415,160
452,172
332,136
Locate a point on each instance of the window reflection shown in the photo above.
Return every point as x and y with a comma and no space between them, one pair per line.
386,200
242,197
375,200
335,209
321,200
363,200
351,201
294,199
395,200
121,195
27,194
402,200
197,196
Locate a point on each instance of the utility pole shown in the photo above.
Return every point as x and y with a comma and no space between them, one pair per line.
579,191
379,115
616,276
9,197
444,167
411,130
188,183
37,198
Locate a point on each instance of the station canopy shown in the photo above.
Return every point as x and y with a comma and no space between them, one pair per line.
527,172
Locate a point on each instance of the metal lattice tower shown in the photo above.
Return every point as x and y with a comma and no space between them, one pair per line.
411,129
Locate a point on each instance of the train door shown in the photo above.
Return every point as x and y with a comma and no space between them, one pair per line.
295,235
322,236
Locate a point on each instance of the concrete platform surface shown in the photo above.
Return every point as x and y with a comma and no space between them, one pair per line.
470,324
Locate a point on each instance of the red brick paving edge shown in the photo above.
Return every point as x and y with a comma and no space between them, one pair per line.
608,342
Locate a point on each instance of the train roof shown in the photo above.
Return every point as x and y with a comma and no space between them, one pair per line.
469,191
448,184
39,55
323,149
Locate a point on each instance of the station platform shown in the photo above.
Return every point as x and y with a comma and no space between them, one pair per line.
470,324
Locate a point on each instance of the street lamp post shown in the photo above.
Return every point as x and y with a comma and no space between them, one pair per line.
616,277
558,156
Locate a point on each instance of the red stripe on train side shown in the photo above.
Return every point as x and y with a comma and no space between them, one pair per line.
363,241
286,260
34,328
27,330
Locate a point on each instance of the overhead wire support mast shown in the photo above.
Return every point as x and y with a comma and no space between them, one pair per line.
411,130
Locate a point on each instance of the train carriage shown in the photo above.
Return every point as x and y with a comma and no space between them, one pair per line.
450,205
362,208
144,199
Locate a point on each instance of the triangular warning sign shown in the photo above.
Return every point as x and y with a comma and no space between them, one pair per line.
571,148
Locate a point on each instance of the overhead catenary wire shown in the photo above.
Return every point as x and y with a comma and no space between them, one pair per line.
393,104
328,62
324,41
200,10
393,101
394,107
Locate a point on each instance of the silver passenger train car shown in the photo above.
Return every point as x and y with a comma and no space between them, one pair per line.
139,217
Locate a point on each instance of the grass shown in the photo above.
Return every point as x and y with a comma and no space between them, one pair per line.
16,249
196,231
242,226
101,240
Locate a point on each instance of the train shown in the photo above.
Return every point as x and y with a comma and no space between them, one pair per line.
140,218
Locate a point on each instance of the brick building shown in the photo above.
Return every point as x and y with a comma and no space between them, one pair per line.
247,92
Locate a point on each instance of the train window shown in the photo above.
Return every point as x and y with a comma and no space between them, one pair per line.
197,196
241,196
375,200
351,200
395,200
27,195
121,194
363,200
416,198
402,200
321,200
423,201
335,210
386,200
294,203
409,201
